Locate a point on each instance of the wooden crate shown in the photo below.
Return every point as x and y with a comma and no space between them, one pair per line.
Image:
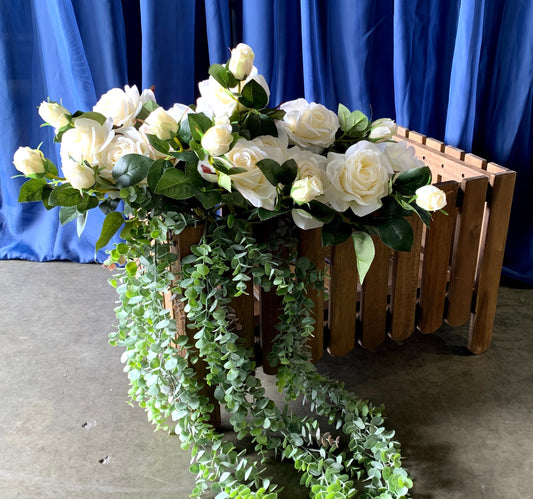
451,274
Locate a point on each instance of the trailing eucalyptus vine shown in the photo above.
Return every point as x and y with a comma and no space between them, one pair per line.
354,456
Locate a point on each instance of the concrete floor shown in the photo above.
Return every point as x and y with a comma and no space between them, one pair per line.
465,422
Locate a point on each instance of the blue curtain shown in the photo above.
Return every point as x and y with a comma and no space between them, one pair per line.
460,71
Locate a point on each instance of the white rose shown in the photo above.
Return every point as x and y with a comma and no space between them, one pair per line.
147,95
430,198
252,184
28,160
179,112
86,141
309,164
215,100
161,124
79,175
207,172
121,105
304,220
54,114
241,61
127,141
306,189
359,178
383,129
401,156
217,140
309,125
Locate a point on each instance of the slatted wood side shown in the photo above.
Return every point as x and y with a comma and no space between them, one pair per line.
491,258
437,253
374,298
182,246
405,284
310,246
342,298
244,316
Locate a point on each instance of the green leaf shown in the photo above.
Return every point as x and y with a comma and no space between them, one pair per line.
253,95
224,181
336,232
410,180
32,190
156,171
67,214
397,234
65,195
354,121
47,190
264,214
209,199
320,211
223,76
364,253
174,184
112,222
343,113
147,108
130,169
234,199
287,172
81,221
187,156
270,169
91,115
158,144
223,167
87,203
198,124
109,205
49,167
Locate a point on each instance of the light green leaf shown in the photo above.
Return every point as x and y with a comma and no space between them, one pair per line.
364,252
112,222
32,190
174,184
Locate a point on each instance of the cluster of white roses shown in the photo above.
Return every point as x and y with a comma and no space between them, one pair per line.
358,179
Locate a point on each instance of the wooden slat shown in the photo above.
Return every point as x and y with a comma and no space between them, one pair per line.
464,261
342,298
183,243
454,152
374,298
406,269
437,252
473,160
498,211
310,246
270,310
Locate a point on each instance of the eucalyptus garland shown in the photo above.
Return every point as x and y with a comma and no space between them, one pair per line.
355,456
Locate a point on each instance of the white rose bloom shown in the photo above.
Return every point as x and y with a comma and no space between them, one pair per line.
304,220
309,125
306,189
309,164
120,105
127,141
241,61
179,112
207,171
383,129
217,140
401,156
86,141
161,124
215,100
79,175
359,178
147,95
252,184
54,114
28,160
430,198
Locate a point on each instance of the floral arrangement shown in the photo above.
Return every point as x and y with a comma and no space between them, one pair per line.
229,164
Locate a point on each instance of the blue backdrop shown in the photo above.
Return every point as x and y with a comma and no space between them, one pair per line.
460,71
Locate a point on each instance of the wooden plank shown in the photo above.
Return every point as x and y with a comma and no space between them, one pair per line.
417,137
270,310
310,246
342,298
406,269
498,211
374,298
437,252
466,248
183,243
473,160
454,152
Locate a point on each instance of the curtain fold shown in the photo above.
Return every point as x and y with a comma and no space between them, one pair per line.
460,71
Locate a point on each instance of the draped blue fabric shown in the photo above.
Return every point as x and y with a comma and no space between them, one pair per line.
460,71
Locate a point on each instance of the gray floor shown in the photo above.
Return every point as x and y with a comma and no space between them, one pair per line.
465,421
